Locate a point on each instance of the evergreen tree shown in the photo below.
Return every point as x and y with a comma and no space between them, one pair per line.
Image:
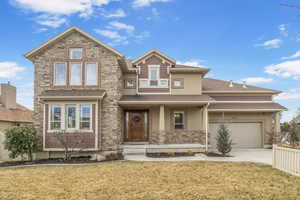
293,133
224,143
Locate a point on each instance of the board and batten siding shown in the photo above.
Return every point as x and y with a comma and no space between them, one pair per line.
286,159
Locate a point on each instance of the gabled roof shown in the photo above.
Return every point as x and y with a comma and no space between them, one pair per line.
155,51
246,106
189,69
18,114
210,85
66,32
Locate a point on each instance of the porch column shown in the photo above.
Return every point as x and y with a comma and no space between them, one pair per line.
162,124
277,129
205,125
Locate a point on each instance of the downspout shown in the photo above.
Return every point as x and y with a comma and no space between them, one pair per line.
206,127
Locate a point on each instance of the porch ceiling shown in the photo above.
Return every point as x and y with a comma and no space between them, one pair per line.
165,99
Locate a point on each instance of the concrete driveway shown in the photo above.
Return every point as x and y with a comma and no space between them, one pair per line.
238,155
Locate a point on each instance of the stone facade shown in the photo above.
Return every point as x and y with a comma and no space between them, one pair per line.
110,79
178,137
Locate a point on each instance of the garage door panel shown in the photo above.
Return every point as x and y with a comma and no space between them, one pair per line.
243,135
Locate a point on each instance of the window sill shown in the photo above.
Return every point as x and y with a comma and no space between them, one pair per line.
71,131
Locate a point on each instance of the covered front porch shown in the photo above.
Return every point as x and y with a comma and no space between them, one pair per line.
179,124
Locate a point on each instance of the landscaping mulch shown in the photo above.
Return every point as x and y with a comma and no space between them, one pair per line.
73,160
214,154
121,180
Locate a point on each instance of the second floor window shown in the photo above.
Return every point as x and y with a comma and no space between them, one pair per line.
91,73
153,75
75,74
75,53
59,73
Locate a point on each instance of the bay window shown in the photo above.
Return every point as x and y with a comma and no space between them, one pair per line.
91,73
75,74
59,73
70,117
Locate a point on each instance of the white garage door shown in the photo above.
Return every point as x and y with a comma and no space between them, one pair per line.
243,135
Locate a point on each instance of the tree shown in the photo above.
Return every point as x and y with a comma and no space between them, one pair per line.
293,133
65,141
20,141
224,143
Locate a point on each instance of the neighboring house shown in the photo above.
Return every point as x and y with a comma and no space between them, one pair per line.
11,114
103,100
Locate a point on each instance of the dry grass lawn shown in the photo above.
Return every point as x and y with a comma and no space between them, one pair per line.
148,180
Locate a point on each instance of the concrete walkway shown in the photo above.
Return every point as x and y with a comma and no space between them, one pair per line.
238,155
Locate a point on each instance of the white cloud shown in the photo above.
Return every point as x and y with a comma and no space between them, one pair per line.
116,38
193,62
271,44
283,31
295,55
119,13
285,69
257,80
143,3
288,96
10,69
59,7
55,12
122,26
52,21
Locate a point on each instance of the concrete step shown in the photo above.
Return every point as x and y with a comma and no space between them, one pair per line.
134,150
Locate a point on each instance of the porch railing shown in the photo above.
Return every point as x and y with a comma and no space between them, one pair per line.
286,159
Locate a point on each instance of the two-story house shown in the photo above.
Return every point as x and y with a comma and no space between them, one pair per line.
90,92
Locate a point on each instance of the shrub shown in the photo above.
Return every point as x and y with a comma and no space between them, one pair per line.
20,141
224,143
293,134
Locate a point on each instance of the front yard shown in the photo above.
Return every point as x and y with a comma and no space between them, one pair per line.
149,180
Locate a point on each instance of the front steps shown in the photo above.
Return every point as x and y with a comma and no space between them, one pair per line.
134,149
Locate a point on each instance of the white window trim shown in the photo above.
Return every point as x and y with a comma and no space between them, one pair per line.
151,86
70,53
66,115
91,114
70,73
85,74
183,119
157,72
63,118
54,74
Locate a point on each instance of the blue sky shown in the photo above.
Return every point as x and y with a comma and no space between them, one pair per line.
253,40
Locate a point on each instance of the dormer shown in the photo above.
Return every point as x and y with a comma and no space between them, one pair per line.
153,72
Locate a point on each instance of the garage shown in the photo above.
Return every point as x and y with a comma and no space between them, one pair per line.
243,135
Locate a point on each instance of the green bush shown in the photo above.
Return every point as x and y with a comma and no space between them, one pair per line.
293,134
224,143
20,141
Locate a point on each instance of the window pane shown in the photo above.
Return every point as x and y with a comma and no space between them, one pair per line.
71,116
178,118
55,117
177,83
143,83
91,73
163,83
129,83
154,73
76,53
85,116
59,73
75,74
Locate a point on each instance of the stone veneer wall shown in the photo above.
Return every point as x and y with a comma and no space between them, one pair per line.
110,80
178,137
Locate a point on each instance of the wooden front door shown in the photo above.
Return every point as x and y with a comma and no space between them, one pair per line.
136,124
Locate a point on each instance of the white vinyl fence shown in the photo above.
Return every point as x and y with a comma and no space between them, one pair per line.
286,159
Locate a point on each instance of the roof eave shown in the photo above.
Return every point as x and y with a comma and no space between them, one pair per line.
31,53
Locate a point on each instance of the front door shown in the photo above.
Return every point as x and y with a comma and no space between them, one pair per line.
136,126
